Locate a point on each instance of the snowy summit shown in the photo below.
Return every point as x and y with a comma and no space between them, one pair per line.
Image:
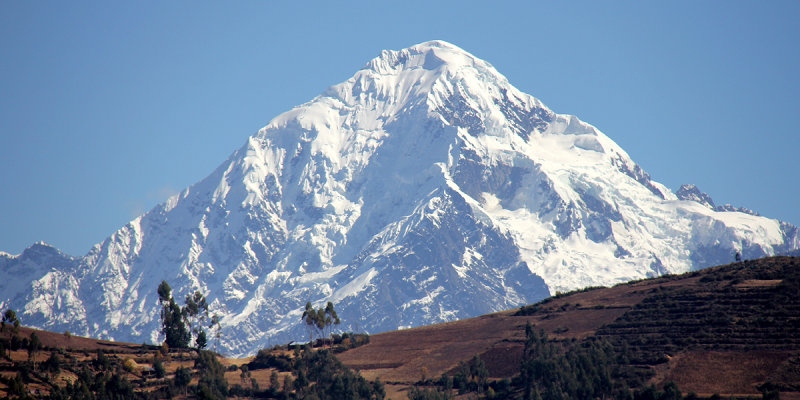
423,189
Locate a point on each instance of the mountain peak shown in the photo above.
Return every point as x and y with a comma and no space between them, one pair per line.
432,55
423,189
43,249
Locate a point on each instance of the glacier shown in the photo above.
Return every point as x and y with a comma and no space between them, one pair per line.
424,189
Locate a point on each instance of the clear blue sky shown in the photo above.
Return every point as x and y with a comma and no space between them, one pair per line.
106,108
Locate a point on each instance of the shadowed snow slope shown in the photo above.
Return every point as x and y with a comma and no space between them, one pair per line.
423,189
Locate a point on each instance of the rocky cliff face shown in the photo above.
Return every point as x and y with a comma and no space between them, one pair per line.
423,189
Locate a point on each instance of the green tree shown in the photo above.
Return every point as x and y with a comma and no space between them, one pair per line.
201,341
310,318
164,292
158,368
182,378
320,320
331,318
194,313
52,365
10,317
173,328
212,383
379,389
172,319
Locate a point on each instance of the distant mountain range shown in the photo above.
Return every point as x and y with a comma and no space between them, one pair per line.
423,189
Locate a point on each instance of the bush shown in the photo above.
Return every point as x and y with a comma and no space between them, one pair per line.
158,368
53,364
130,365
266,359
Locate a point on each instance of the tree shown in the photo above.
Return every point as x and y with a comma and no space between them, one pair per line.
331,318
671,392
217,327
158,368
14,344
212,383
10,317
52,365
182,378
34,345
287,383
175,319
176,335
320,319
16,386
164,292
273,381
310,318
478,373
320,322
379,389
201,341
245,374
194,314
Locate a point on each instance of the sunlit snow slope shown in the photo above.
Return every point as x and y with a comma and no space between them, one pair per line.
423,189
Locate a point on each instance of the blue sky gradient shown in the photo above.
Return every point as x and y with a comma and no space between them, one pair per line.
107,108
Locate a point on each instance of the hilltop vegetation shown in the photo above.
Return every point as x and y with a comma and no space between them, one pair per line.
67,367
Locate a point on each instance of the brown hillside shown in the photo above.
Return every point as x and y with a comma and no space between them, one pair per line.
726,330
723,330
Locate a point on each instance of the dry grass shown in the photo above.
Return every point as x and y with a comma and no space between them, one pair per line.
725,373
401,357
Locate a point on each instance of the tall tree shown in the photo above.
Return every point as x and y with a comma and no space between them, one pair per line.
172,324
164,292
194,315
34,345
310,318
321,319
331,318
217,327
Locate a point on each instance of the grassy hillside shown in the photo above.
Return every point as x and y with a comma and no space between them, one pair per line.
732,330
64,366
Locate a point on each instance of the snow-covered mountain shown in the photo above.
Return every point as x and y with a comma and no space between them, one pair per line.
423,189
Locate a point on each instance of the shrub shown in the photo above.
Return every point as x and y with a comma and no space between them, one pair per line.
130,365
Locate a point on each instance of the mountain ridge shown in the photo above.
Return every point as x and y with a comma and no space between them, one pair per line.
425,188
